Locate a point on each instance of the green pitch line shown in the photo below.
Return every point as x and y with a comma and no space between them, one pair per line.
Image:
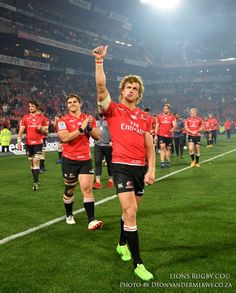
34,229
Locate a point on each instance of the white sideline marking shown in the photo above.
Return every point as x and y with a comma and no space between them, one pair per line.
31,230
189,167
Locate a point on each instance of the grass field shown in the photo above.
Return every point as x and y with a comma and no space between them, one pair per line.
187,229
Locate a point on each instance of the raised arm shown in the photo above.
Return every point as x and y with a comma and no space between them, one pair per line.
102,93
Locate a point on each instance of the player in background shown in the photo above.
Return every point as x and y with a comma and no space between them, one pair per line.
155,142
74,130
178,136
35,126
207,131
153,124
165,126
132,147
103,149
194,126
43,156
228,126
59,147
214,127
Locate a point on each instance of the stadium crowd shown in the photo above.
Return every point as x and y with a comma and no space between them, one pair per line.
17,87
210,92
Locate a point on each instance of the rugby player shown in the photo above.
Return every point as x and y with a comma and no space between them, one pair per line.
35,126
132,147
74,130
193,126
165,126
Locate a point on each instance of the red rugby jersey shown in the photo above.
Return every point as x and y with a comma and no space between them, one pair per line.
79,148
31,122
214,123
194,124
47,123
207,125
227,125
165,122
153,125
127,128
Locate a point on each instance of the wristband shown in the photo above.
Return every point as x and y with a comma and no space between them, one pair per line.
89,127
99,61
81,130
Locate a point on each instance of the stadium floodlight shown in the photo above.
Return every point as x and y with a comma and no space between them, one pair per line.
162,4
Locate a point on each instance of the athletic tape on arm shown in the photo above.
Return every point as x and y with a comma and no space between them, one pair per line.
104,104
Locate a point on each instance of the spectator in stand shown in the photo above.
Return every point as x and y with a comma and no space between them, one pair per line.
103,148
5,109
228,126
5,137
36,127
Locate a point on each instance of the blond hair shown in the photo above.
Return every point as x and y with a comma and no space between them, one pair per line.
193,109
167,105
132,79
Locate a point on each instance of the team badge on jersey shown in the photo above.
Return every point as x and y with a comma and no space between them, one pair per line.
134,117
61,125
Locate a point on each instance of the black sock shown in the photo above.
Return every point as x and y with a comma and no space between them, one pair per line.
197,159
35,173
192,157
133,242
122,234
89,208
59,155
42,164
69,207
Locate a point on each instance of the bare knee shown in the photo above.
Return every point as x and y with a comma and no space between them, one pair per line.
86,190
130,213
